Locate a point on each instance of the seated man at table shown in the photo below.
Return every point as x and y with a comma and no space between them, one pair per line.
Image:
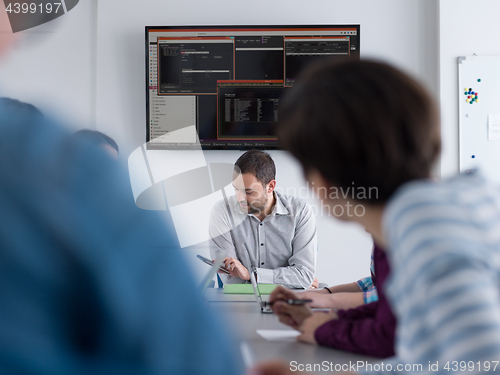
259,227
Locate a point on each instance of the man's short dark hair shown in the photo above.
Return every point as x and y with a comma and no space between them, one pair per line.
361,124
97,137
258,163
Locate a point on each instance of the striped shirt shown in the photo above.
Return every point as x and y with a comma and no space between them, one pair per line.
282,247
368,286
369,295
444,251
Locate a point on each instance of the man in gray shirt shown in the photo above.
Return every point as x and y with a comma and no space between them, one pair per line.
259,227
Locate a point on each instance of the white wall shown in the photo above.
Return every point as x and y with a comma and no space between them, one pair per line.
466,27
67,70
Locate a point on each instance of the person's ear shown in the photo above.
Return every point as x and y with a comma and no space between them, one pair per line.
271,186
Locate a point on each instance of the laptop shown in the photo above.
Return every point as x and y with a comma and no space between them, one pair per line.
263,306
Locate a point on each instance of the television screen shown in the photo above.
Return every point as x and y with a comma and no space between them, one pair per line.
219,87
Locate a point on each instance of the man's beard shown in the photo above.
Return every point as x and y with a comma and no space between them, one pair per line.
251,209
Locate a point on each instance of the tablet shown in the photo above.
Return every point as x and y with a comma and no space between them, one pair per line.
211,263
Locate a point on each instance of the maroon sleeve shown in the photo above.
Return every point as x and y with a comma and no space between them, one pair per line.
363,311
368,329
370,335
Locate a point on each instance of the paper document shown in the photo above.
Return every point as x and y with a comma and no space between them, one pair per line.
279,335
493,127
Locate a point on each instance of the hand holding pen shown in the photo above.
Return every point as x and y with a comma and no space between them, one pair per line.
290,309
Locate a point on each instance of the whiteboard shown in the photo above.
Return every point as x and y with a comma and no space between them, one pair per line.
479,117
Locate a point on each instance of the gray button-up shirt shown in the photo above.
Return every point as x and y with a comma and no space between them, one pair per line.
282,247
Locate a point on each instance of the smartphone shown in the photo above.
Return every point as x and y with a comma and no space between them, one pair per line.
209,262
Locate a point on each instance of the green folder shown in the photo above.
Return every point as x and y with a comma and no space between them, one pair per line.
248,289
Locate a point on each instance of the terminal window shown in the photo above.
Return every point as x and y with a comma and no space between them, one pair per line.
248,109
301,51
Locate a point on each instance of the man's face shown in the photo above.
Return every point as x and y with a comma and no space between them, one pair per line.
250,193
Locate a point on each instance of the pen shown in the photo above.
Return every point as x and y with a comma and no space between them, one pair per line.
290,301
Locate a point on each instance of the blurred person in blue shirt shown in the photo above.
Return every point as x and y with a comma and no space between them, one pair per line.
89,282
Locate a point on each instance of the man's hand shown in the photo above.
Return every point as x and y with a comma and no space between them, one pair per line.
310,324
236,269
315,284
292,316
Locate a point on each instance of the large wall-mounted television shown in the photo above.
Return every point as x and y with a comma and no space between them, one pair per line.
219,87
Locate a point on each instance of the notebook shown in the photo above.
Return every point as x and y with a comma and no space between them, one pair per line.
248,289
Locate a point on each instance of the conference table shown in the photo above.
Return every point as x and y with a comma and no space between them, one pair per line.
243,315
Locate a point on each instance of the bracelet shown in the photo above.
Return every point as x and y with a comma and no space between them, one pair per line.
329,291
